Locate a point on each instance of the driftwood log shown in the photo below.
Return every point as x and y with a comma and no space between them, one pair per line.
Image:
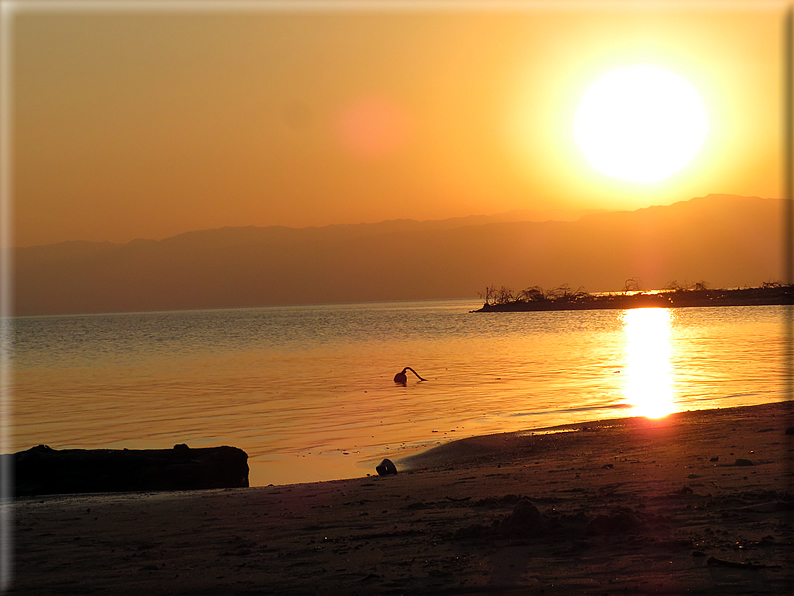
45,471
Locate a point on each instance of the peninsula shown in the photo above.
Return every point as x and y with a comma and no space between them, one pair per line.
673,296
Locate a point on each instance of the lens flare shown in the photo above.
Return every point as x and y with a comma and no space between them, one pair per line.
373,127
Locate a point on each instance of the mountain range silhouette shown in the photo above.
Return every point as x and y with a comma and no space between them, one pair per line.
726,240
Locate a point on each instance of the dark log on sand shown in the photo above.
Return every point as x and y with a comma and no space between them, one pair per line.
45,471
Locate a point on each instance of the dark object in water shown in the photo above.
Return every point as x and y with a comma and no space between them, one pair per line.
45,471
386,468
401,379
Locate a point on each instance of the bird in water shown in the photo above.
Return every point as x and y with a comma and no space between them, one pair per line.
401,379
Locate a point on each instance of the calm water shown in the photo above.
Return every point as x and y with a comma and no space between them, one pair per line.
307,391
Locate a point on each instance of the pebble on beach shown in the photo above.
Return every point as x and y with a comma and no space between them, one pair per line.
386,468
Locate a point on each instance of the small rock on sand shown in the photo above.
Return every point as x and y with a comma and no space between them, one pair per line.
526,520
386,468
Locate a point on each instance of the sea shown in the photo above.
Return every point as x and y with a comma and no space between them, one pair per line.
308,391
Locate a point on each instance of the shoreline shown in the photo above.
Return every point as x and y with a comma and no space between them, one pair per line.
772,295
699,501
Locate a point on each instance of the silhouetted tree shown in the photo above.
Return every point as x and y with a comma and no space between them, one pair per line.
633,284
700,286
533,294
501,296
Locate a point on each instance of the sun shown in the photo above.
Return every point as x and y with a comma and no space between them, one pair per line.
640,123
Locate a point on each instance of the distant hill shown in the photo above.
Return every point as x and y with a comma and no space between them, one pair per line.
725,240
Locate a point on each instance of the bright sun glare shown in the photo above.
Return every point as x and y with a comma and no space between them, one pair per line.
640,123
649,382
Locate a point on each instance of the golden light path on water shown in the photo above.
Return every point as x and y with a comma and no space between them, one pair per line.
649,378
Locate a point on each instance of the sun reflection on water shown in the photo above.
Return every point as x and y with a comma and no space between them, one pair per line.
649,379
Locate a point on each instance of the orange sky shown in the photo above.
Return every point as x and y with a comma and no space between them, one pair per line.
131,124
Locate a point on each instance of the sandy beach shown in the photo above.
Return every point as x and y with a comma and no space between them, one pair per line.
697,503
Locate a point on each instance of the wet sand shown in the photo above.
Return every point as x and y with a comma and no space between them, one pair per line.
696,503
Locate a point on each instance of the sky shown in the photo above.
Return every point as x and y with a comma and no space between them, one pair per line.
132,122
